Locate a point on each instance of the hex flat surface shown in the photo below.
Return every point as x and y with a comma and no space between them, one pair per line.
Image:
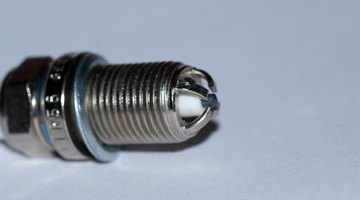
288,80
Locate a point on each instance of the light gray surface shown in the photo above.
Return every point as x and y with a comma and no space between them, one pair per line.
288,79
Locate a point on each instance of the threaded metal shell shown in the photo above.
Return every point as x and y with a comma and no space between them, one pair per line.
134,103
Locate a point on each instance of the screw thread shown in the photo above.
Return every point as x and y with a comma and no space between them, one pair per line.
133,103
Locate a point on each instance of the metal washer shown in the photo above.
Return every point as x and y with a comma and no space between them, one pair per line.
82,67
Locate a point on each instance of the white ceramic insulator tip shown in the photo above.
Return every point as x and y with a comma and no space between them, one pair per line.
189,106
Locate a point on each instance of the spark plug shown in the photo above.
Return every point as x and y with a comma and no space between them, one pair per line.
80,107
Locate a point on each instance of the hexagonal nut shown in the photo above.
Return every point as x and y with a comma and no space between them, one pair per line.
18,90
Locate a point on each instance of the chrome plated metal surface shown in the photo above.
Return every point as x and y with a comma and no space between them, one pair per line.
80,107
136,103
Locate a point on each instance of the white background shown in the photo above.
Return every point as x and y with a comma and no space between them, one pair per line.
288,79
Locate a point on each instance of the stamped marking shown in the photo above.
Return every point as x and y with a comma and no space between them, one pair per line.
54,111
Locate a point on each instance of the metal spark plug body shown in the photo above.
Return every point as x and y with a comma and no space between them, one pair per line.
80,107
